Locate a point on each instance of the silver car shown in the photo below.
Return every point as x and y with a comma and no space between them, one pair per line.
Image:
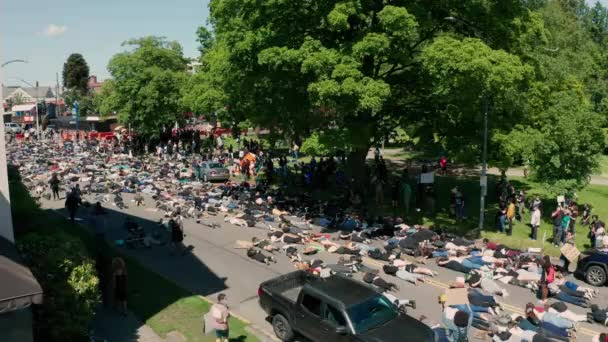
212,171
11,127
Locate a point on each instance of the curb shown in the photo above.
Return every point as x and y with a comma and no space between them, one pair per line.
251,328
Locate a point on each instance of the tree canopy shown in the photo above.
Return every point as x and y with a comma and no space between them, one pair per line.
76,73
146,84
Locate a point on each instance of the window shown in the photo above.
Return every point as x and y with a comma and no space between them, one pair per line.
371,313
312,304
334,316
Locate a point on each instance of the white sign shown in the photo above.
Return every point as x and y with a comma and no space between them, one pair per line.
427,178
561,199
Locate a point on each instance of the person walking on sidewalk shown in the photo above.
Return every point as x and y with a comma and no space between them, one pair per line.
54,183
119,284
220,314
71,203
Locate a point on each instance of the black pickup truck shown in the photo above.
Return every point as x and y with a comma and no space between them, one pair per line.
336,309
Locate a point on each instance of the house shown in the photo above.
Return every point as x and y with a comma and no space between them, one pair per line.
93,85
193,67
20,102
14,95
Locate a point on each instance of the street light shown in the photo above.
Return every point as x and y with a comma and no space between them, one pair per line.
13,61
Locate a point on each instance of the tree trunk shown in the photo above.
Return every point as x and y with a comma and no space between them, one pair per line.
356,169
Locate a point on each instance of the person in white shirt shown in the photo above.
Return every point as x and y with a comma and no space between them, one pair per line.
535,222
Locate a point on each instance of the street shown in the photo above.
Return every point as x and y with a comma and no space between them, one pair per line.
215,266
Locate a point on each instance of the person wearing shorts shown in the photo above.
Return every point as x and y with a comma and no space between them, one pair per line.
220,315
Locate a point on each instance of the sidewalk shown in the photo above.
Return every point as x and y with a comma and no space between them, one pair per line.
110,326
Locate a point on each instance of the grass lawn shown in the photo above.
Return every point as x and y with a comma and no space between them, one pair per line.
155,300
596,195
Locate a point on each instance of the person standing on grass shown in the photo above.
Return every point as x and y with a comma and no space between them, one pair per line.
521,205
511,215
220,314
557,216
535,222
296,150
565,225
119,284
573,216
379,191
501,216
406,193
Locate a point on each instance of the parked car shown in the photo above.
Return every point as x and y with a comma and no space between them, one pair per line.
593,267
11,127
336,309
212,171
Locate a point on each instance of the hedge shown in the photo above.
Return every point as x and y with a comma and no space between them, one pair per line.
62,265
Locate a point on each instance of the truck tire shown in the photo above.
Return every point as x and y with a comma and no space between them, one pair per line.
281,328
595,275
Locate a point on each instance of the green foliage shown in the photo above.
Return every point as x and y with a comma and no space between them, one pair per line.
562,153
467,77
311,146
147,83
86,102
76,73
67,275
430,69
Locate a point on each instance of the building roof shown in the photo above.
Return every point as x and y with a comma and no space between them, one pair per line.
23,107
40,92
18,288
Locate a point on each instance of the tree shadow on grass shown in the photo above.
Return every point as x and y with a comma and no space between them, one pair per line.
152,273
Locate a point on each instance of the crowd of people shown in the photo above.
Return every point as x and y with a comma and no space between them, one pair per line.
307,231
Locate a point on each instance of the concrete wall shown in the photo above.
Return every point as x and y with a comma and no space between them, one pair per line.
6,220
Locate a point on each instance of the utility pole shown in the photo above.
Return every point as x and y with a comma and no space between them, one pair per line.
57,95
37,113
483,181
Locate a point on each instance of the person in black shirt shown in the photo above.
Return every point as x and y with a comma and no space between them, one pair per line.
119,284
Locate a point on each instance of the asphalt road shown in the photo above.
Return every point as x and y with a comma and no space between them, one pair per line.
215,266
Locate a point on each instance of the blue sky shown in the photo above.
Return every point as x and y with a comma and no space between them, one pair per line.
45,33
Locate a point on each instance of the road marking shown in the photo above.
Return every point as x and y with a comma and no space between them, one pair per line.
506,306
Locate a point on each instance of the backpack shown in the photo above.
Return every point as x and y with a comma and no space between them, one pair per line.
461,335
550,275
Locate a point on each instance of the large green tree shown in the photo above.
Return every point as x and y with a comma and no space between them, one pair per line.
147,83
76,73
351,64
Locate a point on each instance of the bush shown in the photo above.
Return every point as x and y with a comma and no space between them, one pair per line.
312,146
67,275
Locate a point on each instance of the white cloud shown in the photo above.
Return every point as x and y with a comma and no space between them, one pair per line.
53,30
